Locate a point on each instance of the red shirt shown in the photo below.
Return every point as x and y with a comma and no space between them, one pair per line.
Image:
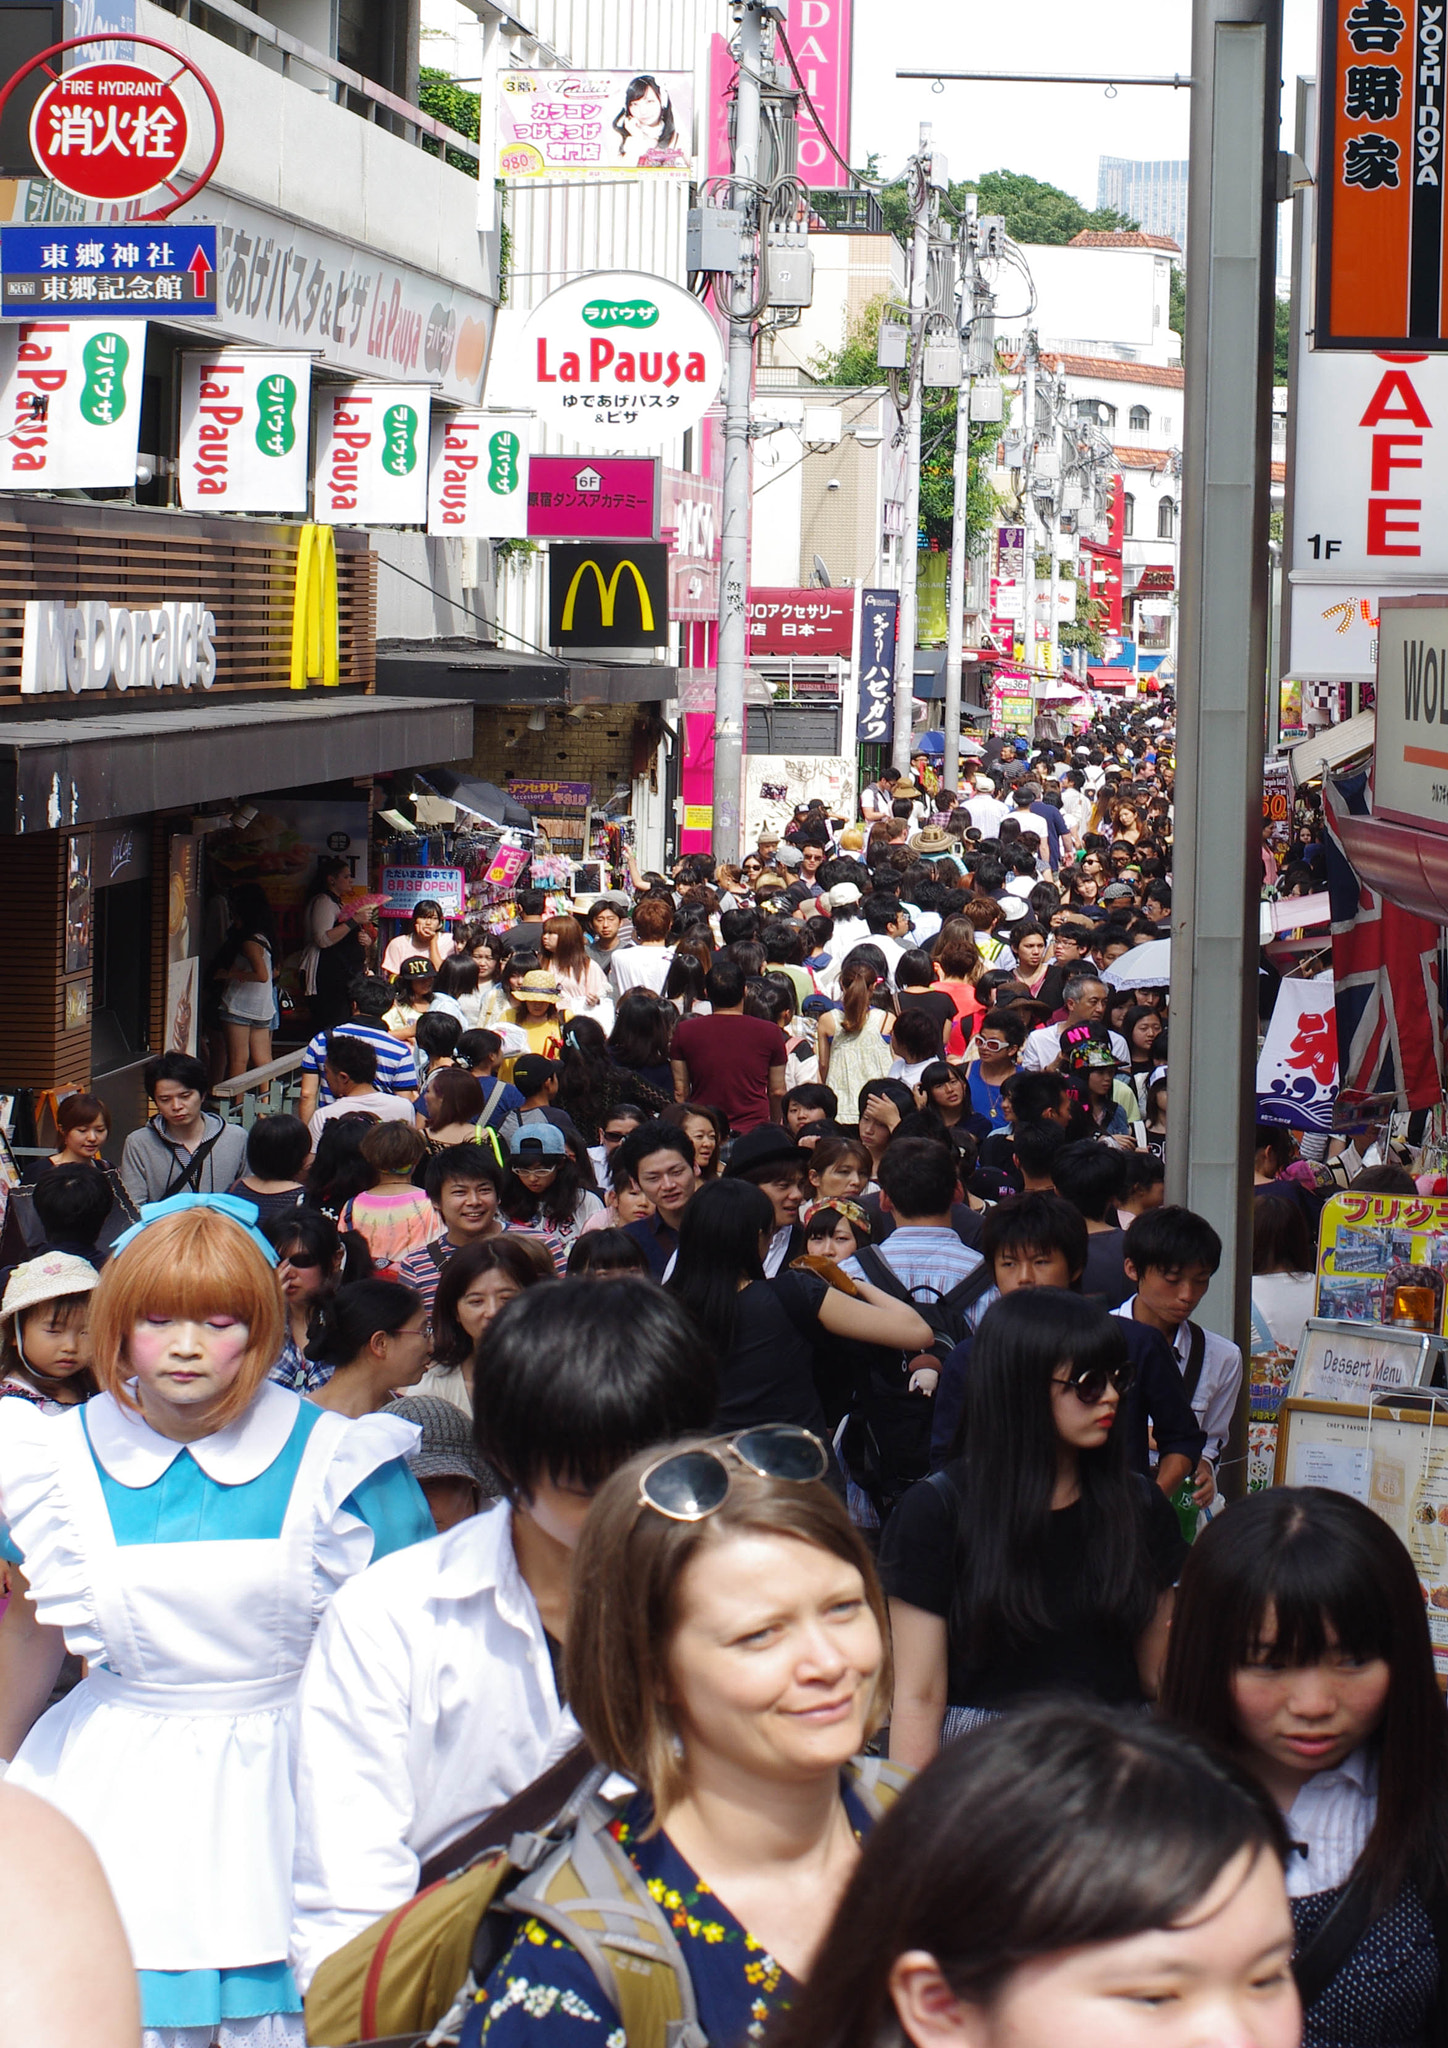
729,1059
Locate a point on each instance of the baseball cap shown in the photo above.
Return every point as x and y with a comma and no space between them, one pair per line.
536,1144
790,857
531,1070
843,895
417,967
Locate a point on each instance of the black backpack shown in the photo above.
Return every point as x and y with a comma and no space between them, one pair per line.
946,1314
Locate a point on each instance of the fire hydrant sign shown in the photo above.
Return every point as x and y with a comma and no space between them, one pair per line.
621,360
89,375
108,131
372,454
244,417
124,268
477,485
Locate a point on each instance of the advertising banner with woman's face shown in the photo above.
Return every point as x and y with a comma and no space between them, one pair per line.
594,124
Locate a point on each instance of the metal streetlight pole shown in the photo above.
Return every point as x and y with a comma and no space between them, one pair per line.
1226,486
734,550
910,561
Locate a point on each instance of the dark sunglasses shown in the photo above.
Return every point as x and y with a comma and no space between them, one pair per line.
299,1261
687,1486
1088,1387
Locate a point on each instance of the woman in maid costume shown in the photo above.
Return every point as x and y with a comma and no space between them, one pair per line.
183,1531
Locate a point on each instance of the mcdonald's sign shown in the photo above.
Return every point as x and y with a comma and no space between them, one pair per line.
316,652
608,596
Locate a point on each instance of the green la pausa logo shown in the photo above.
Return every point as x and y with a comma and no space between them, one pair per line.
620,313
103,397
399,440
504,472
276,407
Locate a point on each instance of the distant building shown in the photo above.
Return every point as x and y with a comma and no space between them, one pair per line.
1154,195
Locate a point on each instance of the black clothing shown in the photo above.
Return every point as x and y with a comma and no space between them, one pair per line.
935,1003
1104,1278
1383,1995
767,1374
1083,1652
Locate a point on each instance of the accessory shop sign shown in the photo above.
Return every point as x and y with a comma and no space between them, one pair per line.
244,417
89,375
372,449
621,360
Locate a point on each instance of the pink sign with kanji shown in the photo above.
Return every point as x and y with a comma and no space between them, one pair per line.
593,497
802,621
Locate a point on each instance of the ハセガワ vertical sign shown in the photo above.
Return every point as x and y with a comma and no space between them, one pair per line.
1380,176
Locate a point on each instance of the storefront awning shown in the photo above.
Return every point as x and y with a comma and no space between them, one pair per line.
1408,868
57,772
494,675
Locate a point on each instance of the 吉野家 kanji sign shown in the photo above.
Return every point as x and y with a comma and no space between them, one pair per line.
103,271
1380,176
109,131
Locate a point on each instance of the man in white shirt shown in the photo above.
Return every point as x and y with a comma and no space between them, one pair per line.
350,1070
1085,997
847,927
646,963
985,812
431,1696
1170,1255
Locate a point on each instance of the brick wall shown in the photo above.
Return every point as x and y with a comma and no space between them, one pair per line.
591,749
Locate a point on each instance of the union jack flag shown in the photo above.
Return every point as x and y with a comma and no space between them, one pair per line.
1386,968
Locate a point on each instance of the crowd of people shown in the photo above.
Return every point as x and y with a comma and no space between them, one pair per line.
833,1627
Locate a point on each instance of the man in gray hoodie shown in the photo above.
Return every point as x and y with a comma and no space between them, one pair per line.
185,1150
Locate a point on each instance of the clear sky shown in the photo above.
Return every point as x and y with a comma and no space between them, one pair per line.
1055,132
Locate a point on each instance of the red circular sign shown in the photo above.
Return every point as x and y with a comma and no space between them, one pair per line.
109,131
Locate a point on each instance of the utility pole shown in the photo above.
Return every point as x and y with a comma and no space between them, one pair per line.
1028,509
1226,484
920,210
734,550
955,607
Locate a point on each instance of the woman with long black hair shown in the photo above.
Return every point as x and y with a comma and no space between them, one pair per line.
1036,1561
642,1030
1300,1644
764,1331
591,1083
544,1188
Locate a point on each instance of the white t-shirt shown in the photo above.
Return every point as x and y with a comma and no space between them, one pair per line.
367,1102
1043,1047
640,967
985,813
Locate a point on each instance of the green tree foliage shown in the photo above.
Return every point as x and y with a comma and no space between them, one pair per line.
1034,211
456,108
1282,336
853,362
1085,629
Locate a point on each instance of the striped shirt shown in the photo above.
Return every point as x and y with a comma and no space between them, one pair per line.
396,1068
921,1256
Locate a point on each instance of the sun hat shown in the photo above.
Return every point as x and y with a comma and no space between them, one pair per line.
932,840
537,986
446,1448
536,1145
36,1281
1012,909
843,896
904,788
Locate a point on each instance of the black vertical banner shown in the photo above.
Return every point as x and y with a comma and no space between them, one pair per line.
1425,276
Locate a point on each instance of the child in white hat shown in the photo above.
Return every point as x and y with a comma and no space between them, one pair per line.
45,1353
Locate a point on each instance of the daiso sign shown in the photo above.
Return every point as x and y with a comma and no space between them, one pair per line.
821,38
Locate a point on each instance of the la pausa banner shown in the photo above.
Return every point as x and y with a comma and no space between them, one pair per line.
621,359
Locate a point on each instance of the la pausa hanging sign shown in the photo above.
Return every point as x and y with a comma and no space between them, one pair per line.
622,359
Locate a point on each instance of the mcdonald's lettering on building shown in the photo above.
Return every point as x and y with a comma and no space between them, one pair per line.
608,596
1381,172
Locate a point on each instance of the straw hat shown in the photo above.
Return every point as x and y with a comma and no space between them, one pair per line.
536,987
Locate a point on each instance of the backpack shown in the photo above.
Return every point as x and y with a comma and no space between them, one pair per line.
946,1314
410,1978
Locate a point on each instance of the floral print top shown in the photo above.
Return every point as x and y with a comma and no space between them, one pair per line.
544,1992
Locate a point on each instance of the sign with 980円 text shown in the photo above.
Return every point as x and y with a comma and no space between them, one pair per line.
244,418
372,449
620,360
88,375
477,486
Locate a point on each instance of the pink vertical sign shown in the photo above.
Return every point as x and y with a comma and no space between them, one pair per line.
722,73
821,35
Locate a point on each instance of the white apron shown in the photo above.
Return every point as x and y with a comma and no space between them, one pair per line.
173,1756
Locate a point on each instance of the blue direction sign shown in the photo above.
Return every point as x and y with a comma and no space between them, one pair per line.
138,267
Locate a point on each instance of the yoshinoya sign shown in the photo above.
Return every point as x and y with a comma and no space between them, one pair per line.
477,475
96,646
621,360
89,375
1410,772
372,454
244,418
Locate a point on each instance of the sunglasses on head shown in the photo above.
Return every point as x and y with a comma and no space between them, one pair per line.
1088,1387
688,1486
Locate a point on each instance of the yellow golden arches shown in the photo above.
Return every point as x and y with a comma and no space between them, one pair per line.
607,595
316,652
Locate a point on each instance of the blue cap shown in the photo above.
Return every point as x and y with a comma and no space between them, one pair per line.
533,1143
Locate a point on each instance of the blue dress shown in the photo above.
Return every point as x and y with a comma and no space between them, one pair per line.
543,1994
192,1577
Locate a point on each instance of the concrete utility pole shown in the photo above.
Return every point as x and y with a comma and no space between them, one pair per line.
955,607
1226,480
1028,507
734,550
920,209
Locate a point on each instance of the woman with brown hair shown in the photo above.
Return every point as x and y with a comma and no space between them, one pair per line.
581,981
453,1099
82,1125
854,1040
183,1532
707,1130
476,1283
727,1652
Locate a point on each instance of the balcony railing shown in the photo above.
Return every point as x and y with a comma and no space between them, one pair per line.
847,212
248,32
261,1091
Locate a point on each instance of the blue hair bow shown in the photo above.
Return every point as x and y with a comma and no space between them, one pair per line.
243,1213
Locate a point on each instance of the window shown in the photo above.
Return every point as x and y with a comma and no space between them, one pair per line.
1128,516
1166,520
1096,409
1140,419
